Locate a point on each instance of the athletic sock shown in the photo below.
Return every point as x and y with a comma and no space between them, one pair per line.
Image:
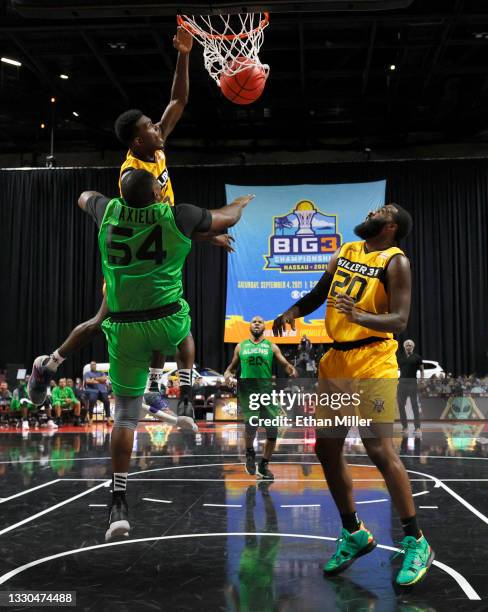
185,377
154,379
350,521
410,527
119,483
54,361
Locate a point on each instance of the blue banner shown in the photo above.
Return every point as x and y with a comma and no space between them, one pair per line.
284,241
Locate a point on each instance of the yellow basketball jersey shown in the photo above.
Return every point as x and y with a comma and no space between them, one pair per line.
360,275
157,168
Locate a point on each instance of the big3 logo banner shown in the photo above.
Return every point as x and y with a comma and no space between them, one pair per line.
284,241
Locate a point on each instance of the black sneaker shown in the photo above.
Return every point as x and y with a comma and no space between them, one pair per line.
39,380
250,462
118,519
263,471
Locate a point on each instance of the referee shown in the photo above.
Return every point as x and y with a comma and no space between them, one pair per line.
409,363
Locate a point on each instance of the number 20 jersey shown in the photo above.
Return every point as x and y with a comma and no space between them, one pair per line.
143,253
362,276
256,359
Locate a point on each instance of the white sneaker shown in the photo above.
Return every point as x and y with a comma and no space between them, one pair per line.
25,425
51,424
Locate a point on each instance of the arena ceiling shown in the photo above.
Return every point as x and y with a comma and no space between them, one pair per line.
331,84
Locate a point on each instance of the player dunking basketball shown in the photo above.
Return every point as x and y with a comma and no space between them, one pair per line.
368,289
146,141
255,356
143,247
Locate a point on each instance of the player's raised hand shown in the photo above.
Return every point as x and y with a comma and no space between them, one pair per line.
291,371
244,200
279,324
182,40
225,241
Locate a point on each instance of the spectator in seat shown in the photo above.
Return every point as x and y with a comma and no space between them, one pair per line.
5,401
63,398
96,388
21,403
80,396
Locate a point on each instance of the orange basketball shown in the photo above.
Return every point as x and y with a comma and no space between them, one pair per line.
247,85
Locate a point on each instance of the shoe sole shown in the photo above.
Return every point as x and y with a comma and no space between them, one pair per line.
414,583
116,530
370,547
37,398
263,476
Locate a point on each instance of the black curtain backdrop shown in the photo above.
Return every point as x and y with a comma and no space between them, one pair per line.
52,280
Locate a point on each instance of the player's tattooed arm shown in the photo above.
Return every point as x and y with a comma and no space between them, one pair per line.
308,303
232,367
182,42
399,287
288,367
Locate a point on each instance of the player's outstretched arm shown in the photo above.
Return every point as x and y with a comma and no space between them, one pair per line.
289,368
308,303
232,367
183,42
84,197
227,216
399,287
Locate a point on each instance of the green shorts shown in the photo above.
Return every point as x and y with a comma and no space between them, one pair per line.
249,392
130,347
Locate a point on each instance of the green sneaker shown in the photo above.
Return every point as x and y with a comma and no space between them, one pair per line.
350,546
418,558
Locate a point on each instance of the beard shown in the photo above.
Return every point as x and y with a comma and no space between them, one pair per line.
256,333
370,228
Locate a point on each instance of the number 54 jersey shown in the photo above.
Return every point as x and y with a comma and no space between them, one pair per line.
361,275
143,253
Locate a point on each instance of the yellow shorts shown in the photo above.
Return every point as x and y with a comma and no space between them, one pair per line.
370,371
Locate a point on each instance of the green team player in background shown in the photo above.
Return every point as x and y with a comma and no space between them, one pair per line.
255,356
64,397
143,247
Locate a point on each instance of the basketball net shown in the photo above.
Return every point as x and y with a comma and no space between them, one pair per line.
230,42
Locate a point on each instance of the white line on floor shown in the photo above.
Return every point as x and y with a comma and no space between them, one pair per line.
372,501
161,501
97,505
300,505
459,578
46,484
420,493
224,505
50,509
429,507
461,500
364,456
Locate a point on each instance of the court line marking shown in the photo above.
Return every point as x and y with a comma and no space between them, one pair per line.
161,501
97,505
459,578
223,505
420,493
365,456
460,499
429,507
300,505
51,508
46,484
371,501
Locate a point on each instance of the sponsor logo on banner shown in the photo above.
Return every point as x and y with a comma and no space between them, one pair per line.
303,240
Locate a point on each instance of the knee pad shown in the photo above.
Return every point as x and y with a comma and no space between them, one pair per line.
127,410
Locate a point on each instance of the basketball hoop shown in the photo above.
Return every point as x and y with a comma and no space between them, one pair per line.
230,42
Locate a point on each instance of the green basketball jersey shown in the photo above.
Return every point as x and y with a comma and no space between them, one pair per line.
256,359
143,253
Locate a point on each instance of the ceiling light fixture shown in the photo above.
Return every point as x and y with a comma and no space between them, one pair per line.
75,114
392,67
7,60
64,76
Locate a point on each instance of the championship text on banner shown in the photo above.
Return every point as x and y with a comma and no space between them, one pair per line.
284,241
